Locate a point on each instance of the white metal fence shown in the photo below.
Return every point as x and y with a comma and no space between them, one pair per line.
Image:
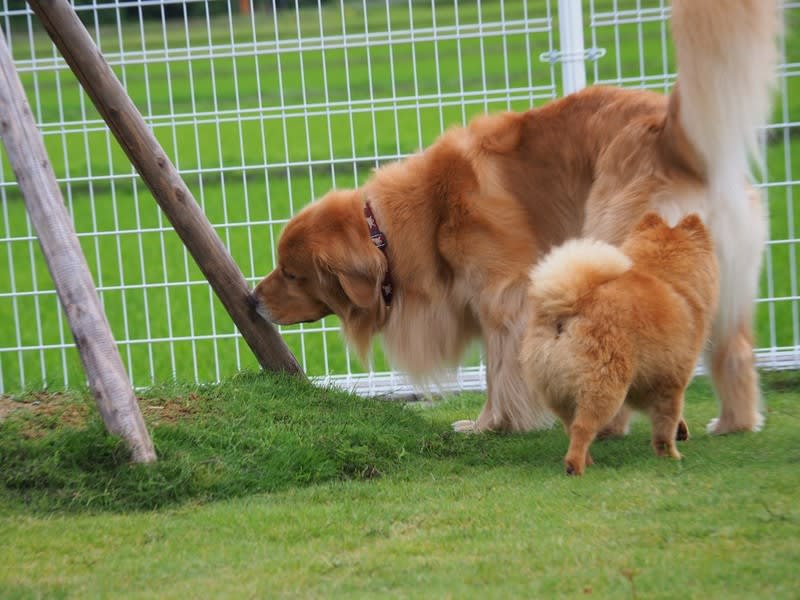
264,107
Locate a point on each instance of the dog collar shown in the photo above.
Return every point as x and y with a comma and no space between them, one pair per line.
379,239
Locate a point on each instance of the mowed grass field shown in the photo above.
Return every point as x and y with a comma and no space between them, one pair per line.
267,487
271,487
262,115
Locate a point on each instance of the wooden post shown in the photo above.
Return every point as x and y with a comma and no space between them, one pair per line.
62,251
166,185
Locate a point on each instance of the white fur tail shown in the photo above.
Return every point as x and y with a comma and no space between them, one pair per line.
727,53
570,271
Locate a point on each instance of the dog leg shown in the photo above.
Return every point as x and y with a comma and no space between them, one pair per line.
736,381
591,412
739,242
618,426
505,408
682,433
665,414
509,405
581,436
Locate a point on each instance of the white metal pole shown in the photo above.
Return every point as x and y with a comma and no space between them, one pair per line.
570,27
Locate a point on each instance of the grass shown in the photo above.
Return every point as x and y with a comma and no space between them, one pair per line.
252,434
252,160
270,487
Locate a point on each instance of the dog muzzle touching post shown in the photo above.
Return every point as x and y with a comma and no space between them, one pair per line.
256,305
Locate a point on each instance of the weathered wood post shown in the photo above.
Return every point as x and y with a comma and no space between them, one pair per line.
62,251
164,181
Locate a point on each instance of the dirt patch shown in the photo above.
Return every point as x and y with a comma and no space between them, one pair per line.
168,410
43,412
7,406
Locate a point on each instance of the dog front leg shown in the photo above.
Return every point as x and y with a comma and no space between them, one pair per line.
509,405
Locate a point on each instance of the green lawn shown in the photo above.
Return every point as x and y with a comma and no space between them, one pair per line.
252,163
270,488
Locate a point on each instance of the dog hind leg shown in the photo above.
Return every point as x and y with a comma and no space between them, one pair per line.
730,357
665,415
592,411
733,372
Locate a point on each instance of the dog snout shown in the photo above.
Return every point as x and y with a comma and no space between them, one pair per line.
255,303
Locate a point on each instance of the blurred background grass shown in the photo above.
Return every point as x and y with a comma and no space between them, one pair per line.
263,113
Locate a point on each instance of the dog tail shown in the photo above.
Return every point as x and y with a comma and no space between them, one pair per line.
726,54
571,271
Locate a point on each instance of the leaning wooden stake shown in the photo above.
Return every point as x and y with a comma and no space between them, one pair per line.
169,190
62,251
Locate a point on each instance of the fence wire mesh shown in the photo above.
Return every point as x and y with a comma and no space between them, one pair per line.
263,106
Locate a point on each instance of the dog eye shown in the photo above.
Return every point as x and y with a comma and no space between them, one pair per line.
288,275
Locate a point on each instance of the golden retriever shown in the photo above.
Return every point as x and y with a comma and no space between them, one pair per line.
610,326
460,224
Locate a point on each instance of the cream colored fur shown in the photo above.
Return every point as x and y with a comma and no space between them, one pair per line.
726,53
560,277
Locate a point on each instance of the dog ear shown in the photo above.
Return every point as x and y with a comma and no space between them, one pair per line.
650,221
360,272
362,286
692,222
693,225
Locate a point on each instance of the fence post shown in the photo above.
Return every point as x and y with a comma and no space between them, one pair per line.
168,188
570,28
62,251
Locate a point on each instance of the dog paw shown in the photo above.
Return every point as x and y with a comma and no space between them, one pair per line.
464,426
721,426
573,467
667,448
682,433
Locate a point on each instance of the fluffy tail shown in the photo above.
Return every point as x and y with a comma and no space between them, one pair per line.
569,272
726,53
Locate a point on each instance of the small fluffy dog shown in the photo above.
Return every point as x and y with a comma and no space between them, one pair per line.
434,250
613,326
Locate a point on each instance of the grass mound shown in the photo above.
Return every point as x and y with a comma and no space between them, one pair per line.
257,433
253,433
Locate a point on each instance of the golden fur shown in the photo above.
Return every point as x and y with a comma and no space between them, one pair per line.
609,326
467,217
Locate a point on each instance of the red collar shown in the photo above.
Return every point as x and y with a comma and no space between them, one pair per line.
379,239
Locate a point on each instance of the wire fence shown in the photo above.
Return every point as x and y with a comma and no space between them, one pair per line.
264,106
